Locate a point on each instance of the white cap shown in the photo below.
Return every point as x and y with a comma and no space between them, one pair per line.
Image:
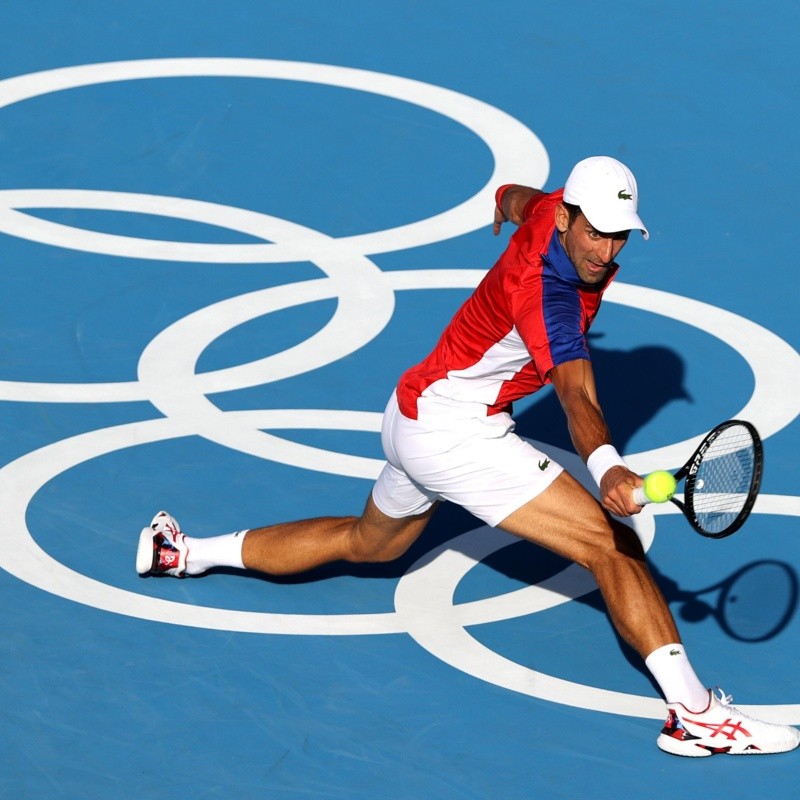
606,192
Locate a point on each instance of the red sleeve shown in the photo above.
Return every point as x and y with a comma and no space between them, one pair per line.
532,204
498,195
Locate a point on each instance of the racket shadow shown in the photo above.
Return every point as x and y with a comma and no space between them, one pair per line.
754,604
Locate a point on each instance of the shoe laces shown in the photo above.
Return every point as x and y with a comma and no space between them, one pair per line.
727,701
724,699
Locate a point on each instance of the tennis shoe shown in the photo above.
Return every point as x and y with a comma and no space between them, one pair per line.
162,548
722,728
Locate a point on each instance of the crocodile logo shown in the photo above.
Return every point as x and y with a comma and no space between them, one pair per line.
543,465
623,195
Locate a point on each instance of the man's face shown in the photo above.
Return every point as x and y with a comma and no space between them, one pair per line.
591,252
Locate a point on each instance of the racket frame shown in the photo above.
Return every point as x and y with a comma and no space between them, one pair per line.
690,469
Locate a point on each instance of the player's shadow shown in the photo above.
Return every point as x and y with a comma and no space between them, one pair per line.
633,386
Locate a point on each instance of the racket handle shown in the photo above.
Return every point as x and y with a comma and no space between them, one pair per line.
640,497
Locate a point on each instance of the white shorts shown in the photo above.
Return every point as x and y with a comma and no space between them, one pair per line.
477,462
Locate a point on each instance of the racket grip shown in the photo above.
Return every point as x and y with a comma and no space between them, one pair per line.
640,496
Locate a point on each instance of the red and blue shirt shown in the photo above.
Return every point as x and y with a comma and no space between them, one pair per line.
530,313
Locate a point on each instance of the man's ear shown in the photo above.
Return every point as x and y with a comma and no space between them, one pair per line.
562,218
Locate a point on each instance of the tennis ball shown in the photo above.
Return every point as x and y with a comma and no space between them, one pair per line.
659,486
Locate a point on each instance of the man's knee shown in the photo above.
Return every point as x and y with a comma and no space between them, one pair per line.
371,543
620,543
371,549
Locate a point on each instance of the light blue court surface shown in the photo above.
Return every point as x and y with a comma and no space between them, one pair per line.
226,229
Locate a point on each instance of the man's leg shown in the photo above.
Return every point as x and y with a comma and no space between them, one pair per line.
566,519
294,547
282,549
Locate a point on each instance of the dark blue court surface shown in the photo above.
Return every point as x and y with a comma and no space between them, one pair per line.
226,229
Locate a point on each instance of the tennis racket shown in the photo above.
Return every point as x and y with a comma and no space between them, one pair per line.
723,478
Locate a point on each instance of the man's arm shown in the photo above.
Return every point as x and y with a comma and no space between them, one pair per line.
510,202
575,386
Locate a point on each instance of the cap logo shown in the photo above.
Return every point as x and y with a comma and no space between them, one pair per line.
623,195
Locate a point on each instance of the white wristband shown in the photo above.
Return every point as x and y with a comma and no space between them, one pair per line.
602,459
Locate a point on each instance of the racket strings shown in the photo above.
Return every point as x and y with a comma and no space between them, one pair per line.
724,479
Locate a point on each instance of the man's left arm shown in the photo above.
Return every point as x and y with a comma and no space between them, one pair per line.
576,389
511,200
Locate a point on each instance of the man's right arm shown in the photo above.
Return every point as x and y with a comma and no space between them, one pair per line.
510,202
575,386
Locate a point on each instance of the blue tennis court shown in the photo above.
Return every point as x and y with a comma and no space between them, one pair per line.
226,230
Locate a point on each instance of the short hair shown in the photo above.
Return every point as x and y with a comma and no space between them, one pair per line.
573,211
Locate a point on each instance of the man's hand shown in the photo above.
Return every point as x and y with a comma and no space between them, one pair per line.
616,491
514,200
499,219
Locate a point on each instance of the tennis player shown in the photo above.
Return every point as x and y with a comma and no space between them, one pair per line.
448,435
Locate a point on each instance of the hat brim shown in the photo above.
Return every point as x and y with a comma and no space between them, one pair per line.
620,220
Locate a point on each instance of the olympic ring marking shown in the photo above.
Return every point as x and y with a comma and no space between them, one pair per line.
23,478
518,153
365,303
167,366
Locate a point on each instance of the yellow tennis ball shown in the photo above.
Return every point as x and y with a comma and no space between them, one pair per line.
659,486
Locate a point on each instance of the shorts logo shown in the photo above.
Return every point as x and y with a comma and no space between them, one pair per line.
543,465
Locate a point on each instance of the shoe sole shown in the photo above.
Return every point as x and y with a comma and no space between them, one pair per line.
144,552
692,749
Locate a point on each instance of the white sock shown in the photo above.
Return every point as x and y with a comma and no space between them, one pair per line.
216,551
678,681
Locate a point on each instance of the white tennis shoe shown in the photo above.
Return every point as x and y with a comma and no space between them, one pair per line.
162,548
721,728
